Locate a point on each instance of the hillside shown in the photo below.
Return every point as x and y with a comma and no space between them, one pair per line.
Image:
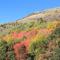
34,37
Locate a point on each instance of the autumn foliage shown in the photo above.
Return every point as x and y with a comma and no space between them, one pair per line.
32,43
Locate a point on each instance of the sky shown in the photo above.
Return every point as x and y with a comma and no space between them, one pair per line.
11,10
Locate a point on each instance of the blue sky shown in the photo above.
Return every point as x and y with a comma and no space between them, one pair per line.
11,10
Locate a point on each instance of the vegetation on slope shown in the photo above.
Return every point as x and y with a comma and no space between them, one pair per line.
33,40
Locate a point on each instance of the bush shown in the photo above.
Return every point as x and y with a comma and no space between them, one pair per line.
2,50
11,55
38,47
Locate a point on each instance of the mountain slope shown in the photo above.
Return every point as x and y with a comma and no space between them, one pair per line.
35,37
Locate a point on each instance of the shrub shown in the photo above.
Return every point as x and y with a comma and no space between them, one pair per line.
2,50
38,46
11,55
